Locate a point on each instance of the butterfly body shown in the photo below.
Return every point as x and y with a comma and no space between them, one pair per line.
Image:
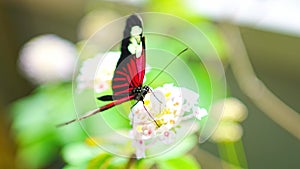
140,92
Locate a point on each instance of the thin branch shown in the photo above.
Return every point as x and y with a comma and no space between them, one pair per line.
131,161
254,88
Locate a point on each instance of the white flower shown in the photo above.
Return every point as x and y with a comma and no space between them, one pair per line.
199,113
165,110
140,148
97,73
167,136
143,131
48,58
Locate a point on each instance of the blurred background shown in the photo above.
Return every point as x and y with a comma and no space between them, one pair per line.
257,41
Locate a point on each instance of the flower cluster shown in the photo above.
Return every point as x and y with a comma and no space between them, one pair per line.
94,75
164,110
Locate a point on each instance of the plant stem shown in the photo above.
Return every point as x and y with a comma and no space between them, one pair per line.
132,160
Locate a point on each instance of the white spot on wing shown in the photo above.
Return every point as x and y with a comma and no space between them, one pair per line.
131,48
135,46
135,49
136,30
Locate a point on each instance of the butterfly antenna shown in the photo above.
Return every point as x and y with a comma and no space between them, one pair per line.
168,65
147,113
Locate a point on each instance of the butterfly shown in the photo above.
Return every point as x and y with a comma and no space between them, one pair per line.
127,81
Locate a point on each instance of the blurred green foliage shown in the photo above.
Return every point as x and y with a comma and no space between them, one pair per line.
34,121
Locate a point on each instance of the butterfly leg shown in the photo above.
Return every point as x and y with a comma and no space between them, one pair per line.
151,115
146,111
151,91
161,103
132,112
134,104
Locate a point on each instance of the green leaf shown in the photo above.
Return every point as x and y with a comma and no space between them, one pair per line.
117,163
182,148
100,161
179,163
38,155
83,166
78,153
144,163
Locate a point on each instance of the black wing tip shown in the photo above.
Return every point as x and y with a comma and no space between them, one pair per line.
105,98
132,20
136,17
